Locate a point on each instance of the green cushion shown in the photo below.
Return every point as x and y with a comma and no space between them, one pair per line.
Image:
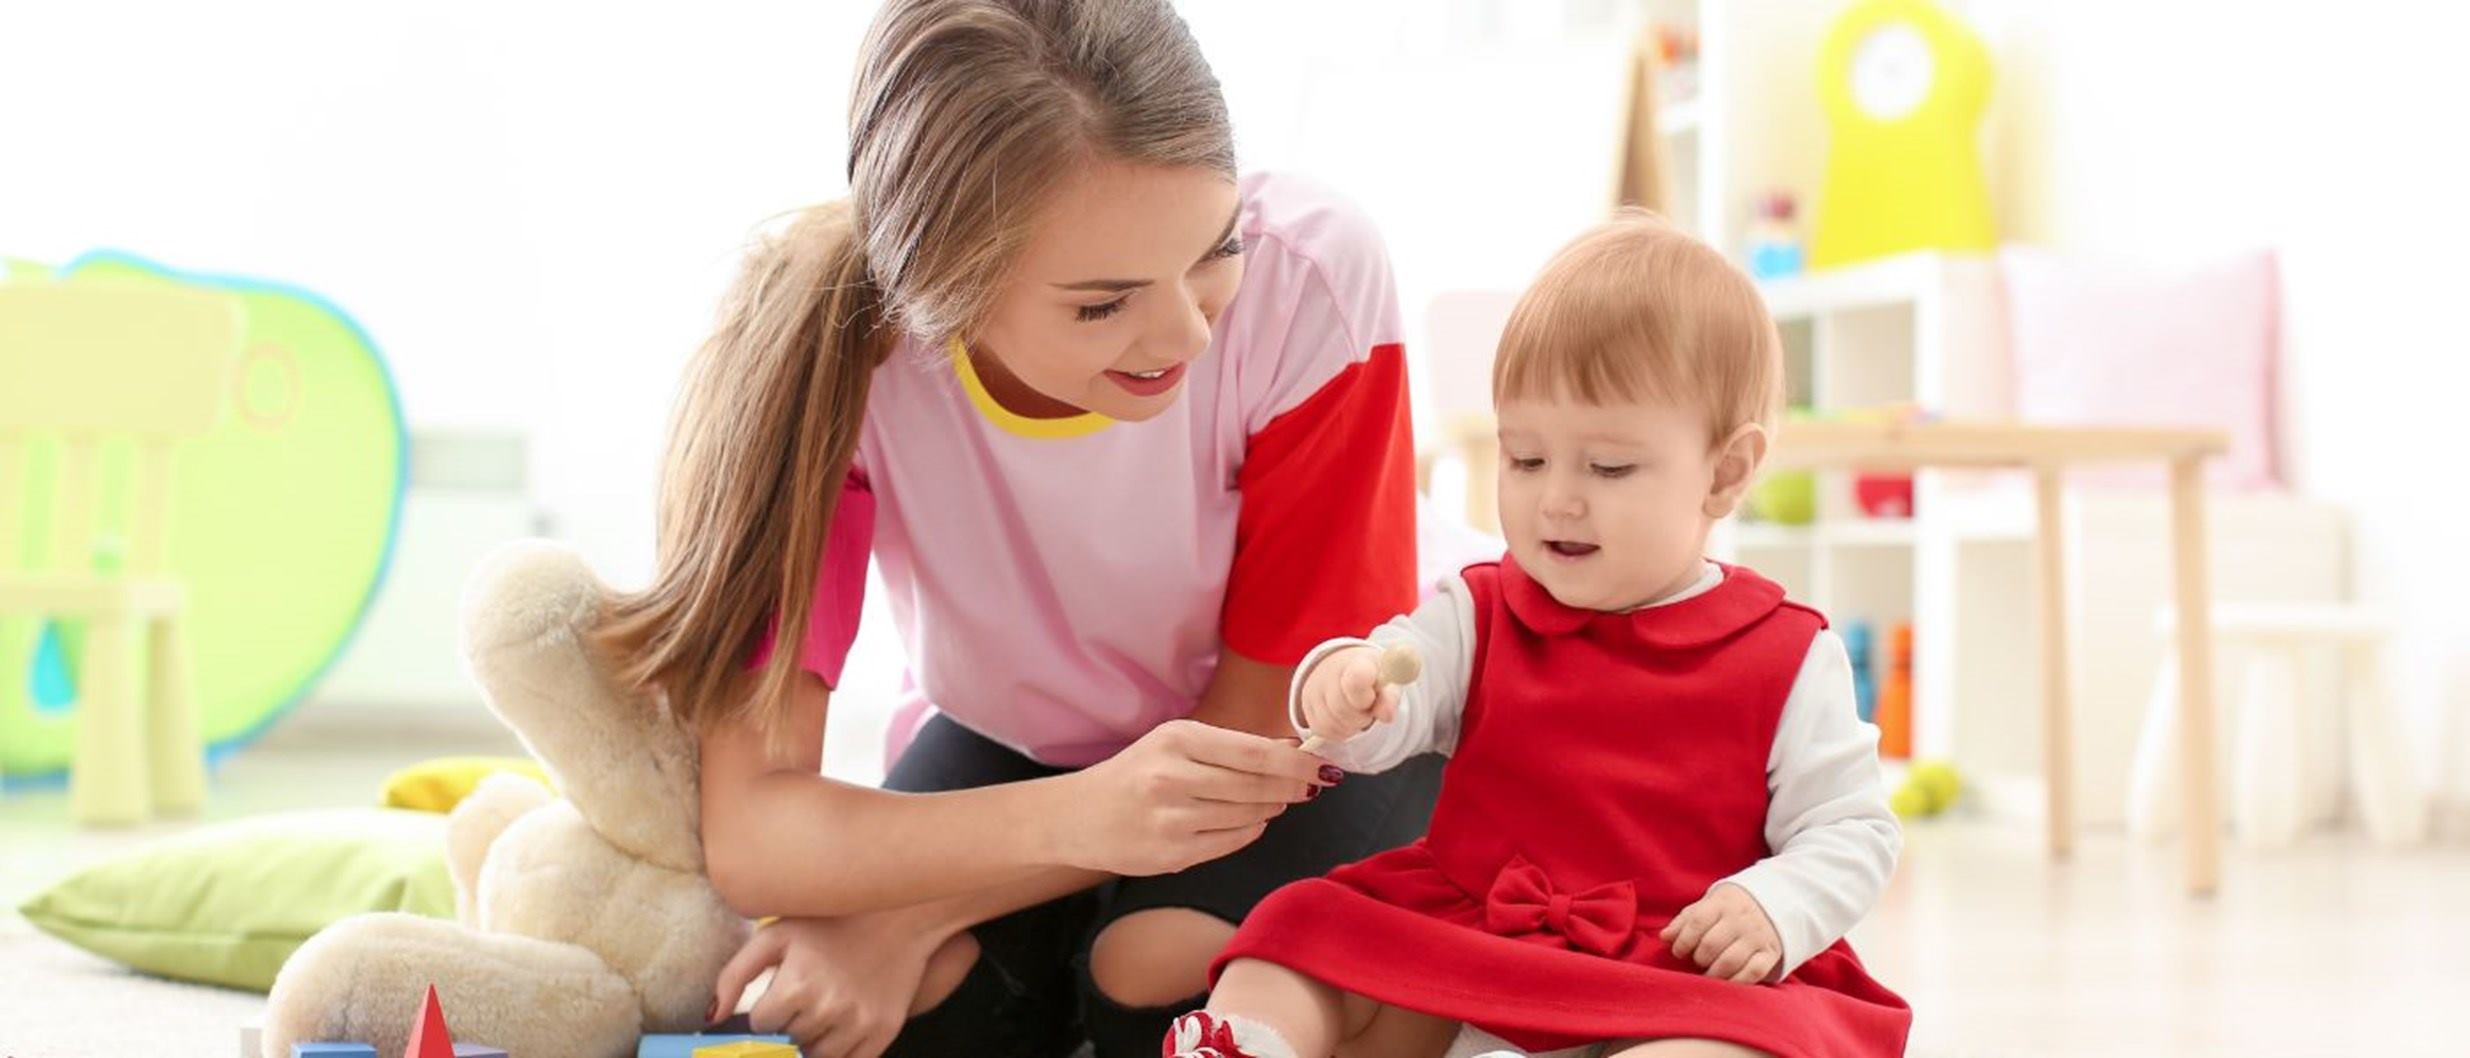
226,904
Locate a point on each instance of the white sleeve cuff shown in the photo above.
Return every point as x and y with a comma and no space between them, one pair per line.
1771,893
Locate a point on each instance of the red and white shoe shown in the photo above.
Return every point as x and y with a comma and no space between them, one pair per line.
1201,1034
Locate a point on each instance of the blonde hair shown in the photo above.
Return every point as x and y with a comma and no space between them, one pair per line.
964,116
1634,310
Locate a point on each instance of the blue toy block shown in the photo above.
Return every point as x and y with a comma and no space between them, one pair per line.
684,1046
477,1050
333,1050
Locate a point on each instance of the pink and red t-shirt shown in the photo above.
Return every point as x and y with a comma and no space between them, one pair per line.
1064,585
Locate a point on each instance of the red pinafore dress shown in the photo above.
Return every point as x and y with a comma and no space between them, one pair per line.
1610,768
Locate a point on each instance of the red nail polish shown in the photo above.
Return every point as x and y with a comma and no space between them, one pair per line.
1331,773
1311,792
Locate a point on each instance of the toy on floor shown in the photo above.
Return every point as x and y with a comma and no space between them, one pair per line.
429,1040
1928,789
1397,667
748,1049
429,1036
707,1046
556,900
439,784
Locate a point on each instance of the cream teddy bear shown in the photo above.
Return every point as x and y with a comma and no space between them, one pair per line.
584,922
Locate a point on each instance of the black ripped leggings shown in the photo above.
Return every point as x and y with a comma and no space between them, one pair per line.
1030,994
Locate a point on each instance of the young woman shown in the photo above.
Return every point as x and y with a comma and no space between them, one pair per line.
1126,434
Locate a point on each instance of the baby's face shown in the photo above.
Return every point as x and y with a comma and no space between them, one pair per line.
1606,505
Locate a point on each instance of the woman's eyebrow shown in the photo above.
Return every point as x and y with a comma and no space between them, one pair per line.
1117,286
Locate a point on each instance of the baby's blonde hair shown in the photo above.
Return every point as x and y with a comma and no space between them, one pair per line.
1634,310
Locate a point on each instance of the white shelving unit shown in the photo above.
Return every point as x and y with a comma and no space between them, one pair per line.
1907,330
1924,329
1749,121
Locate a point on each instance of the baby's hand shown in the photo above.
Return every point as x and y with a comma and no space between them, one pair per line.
1728,933
1344,694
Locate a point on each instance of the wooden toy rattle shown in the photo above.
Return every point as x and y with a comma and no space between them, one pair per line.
1398,667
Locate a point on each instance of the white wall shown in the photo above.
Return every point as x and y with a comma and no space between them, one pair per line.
2160,133
533,207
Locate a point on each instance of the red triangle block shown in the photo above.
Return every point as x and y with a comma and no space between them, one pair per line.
429,1039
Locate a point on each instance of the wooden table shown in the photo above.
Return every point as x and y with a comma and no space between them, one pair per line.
2047,451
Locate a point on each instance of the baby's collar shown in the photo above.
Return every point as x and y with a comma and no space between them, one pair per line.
1740,601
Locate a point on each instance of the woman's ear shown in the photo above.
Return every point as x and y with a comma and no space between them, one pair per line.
1736,464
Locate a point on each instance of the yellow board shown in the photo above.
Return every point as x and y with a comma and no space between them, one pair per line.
748,1049
1904,85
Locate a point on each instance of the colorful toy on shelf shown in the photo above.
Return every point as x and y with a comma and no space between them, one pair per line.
1895,696
1928,789
1904,85
1788,497
1775,238
1857,646
1884,495
700,1046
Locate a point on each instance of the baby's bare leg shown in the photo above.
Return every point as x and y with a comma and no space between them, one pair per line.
1378,1030
1309,1015
1685,1048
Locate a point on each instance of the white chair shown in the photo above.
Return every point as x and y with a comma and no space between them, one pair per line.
2265,794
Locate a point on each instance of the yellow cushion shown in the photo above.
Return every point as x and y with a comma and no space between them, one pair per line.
438,785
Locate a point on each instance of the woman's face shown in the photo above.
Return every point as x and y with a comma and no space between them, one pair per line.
1115,294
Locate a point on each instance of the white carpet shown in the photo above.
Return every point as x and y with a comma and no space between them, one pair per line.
59,1002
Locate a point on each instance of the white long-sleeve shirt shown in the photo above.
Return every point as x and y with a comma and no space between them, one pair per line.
1834,840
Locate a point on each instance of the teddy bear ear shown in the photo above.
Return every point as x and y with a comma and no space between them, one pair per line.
618,756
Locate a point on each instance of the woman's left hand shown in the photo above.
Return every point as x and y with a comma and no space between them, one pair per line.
842,987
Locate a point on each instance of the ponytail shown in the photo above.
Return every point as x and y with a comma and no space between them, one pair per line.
761,446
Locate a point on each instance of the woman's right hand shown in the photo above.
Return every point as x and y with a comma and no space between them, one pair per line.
1185,794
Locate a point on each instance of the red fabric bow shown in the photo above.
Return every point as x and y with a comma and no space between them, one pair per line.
1523,905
